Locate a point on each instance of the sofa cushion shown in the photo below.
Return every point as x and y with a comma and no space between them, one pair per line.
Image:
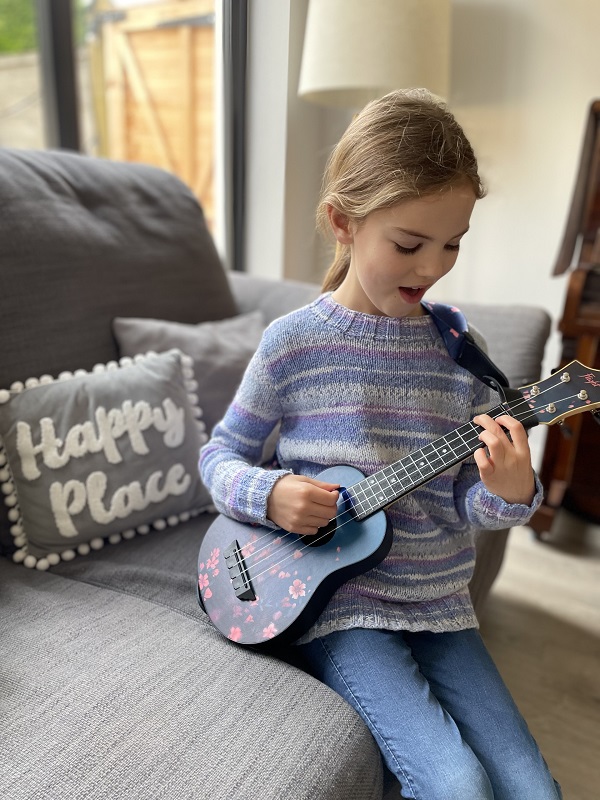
515,335
83,240
96,456
220,351
111,696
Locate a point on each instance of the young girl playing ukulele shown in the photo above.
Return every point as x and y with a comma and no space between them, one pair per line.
361,377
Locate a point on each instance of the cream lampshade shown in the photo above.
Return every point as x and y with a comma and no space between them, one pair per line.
356,50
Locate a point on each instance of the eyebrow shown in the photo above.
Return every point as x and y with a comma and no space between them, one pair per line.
428,238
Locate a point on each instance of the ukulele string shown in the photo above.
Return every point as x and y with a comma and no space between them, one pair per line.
291,553
283,533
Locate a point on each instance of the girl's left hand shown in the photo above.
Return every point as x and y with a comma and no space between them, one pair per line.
505,468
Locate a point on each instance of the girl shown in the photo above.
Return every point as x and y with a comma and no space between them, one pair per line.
361,377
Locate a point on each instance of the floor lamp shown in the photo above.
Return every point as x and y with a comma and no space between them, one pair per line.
356,50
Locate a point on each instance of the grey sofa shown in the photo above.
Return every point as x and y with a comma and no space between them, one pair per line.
112,682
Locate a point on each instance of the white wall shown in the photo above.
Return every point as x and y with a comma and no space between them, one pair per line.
288,143
523,75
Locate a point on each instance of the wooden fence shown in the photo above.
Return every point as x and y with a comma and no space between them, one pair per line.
153,84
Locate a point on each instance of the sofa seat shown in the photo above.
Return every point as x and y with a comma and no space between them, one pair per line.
111,691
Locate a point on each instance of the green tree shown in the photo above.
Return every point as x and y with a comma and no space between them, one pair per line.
17,26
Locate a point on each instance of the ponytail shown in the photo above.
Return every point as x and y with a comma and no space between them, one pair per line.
338,270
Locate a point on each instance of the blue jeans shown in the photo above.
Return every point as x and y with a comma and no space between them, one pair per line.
444,721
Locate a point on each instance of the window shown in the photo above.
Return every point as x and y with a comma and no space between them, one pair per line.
142,75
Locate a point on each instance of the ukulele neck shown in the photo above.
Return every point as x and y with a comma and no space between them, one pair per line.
398,479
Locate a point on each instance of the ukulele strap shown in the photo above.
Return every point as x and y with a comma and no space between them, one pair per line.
454,330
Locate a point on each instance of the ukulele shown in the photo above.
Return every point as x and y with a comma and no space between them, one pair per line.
258,585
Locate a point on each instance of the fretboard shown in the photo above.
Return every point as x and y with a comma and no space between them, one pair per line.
389,484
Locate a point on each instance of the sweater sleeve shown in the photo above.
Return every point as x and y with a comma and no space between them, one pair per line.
229,461
475,504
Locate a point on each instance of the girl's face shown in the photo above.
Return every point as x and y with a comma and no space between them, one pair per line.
398,253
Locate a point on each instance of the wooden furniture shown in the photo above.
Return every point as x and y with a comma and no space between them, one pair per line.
569,469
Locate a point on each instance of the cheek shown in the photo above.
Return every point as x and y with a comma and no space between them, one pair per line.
450,261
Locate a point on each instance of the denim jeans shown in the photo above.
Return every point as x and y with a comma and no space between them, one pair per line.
445,723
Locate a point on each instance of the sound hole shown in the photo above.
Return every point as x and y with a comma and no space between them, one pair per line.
322,536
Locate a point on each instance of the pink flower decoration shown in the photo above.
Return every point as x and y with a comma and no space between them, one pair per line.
269,632
247,550
207,594
235,634
297,589
213,560
203,581
297,554
283,574
249,618
277,615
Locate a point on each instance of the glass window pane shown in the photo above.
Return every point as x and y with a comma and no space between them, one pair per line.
21,111
146,86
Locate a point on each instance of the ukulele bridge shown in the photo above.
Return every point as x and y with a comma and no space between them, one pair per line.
238,572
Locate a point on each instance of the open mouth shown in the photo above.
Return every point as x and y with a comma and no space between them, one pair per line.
412,294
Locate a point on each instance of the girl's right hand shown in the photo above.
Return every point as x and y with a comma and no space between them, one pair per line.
302,505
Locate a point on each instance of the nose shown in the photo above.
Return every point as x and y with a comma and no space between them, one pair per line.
434,265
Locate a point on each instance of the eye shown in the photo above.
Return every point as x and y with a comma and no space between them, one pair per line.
453,247
407,251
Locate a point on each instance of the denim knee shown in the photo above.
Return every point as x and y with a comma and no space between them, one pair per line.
467,782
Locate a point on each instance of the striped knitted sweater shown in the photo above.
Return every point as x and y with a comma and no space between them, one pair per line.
352,388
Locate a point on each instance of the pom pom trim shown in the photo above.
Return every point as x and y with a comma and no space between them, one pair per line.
7,486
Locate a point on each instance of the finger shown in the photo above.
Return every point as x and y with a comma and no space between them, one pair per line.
493,435
317,521
518,434
489,424
329,487
305,530
327,498
310,528
483,462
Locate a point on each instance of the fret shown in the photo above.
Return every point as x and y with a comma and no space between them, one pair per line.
356,502
389,484
421,464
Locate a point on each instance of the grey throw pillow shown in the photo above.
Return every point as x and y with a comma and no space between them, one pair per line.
98,456
220,352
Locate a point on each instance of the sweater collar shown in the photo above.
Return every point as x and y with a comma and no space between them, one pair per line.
357,323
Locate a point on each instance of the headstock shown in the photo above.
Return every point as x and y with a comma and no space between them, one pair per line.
571,390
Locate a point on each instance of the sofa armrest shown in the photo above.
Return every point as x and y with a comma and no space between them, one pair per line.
273,297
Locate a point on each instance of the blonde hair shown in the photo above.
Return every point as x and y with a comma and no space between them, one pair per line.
406,144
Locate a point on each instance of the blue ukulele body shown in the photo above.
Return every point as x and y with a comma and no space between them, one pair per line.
257,584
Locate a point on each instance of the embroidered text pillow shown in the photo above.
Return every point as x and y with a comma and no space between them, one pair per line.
97,456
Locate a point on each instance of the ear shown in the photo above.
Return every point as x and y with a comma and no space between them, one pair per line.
341,225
